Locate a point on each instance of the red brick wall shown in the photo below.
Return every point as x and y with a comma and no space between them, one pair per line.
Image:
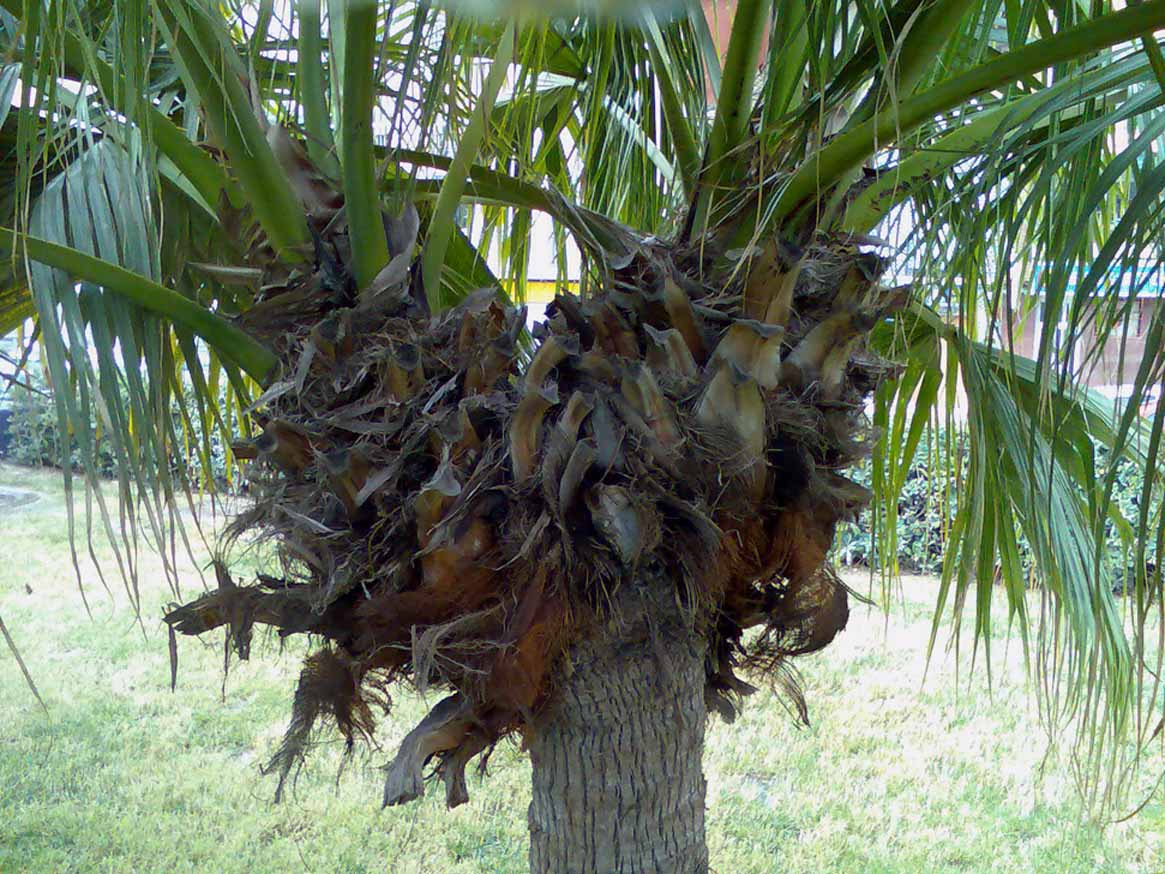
719,14
1108,368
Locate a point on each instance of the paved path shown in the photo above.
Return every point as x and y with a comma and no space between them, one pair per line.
15,499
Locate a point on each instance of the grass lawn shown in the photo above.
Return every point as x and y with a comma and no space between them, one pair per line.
122,775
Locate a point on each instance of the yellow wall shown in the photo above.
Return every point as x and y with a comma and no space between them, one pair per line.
542,290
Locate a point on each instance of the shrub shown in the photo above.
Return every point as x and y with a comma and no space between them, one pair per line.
928,489
32,438
928,502
32,430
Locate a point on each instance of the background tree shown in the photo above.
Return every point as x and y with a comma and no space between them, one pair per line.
584,535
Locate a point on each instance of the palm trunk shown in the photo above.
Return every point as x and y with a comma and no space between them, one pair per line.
617,784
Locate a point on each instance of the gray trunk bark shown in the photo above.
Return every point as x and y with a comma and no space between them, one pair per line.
618,785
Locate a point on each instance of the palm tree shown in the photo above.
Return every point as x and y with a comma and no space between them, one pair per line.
587,535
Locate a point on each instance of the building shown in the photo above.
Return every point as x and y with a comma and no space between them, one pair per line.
1109,366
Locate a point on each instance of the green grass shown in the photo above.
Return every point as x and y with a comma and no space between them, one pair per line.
122,775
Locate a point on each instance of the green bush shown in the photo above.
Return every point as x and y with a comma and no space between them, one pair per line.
1126,497
929,486
33,438
928,502
32,430
34,441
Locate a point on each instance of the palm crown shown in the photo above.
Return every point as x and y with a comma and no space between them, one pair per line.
197,211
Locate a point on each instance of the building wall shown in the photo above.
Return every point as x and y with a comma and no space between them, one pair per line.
1111,367
1107,370
719,14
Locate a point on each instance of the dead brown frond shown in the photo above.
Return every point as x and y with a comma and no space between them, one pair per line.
450,516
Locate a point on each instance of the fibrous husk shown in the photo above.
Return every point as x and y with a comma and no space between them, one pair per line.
450,516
